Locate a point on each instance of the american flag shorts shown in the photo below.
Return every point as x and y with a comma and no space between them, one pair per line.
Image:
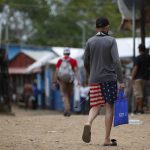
101,93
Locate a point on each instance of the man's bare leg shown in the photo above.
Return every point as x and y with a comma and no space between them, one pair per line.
93,114
108,122
136,105
140,106
86,136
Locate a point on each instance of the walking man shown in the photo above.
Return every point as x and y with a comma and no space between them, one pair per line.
102,63
140,74
66,71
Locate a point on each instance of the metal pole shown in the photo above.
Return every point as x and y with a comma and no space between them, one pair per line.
83,36
134,35
7,12
0,33
6,37
133,27
142,22
83,33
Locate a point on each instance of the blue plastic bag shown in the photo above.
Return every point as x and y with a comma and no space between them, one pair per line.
121,109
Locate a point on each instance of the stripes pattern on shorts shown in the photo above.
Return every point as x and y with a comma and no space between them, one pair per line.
96,97
100,93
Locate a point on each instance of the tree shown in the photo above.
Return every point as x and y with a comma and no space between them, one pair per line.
55,22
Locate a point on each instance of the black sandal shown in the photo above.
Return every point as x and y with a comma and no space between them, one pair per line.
86,136
112,143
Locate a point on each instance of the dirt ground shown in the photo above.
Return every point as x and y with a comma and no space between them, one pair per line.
48,130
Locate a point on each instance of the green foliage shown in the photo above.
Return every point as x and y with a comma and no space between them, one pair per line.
56,20
58,32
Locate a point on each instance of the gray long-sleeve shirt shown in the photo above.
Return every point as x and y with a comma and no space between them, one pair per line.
101,59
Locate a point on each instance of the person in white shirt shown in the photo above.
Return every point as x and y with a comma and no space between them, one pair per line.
84,91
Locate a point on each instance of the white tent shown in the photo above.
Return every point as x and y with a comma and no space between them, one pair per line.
125,46
76,53
41,62
125,49
52,57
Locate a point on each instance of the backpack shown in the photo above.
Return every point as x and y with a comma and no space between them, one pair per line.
65,72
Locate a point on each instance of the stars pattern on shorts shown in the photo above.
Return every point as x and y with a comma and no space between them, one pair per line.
109,90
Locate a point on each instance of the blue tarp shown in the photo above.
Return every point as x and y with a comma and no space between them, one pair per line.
13,50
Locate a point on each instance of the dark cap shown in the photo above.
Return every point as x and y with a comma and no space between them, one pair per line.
141,46
102,22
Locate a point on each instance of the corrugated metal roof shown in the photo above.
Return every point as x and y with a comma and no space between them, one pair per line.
36,55
42,61
15,49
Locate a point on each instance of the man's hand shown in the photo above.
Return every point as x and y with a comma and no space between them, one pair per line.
121,86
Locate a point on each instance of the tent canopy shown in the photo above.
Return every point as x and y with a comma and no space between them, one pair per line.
54,55
125,49
41,62
125,8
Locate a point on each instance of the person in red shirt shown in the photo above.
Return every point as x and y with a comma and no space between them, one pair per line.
66,88
72,61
